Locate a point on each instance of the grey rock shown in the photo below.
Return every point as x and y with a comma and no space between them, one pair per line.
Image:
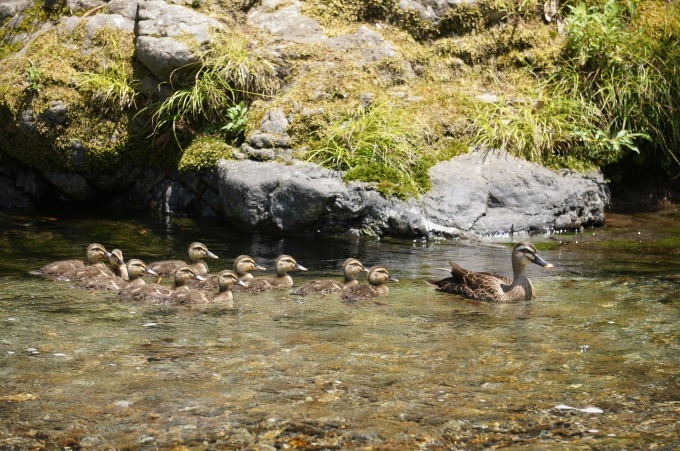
274,122
283,18
368,43
73,186
56,113
9,8
11,197
163,55
158,27
492,192
84,5
477,193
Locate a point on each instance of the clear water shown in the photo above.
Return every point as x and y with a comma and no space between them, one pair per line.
82,369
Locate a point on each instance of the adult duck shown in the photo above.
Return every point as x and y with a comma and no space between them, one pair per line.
375,286
485,286
350,268
198,252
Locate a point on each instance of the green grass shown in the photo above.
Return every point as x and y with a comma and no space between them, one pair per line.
228,74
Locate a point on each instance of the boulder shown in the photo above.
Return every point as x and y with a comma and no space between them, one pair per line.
477,193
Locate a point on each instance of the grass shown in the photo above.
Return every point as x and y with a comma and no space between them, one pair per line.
229,73
380,143
610,96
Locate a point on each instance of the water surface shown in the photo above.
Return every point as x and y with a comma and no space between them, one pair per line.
426,370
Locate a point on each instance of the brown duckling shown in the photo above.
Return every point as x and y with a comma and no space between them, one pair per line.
350,268
154,292
484,286
243,264
377,277
116,270
64,269
284,263
137,269
197,253
225,280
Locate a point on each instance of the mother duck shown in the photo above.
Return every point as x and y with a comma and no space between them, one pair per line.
485,286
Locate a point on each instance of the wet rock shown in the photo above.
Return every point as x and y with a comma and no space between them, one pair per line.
11,197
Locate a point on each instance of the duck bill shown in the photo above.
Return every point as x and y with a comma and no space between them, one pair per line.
150,271
211,255
259,268
539,261
392,279
300,267
242,283
199,277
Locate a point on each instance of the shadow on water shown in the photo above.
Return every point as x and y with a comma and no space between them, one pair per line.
592,362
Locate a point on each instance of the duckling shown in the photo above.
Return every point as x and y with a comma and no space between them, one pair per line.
377,276
133,275
242,265
136,270
484,286
63,269
159,293
284,263
350,268
117,269
197,253
225,280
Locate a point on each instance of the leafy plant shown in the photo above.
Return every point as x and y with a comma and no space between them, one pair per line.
34,78
236,122
114,89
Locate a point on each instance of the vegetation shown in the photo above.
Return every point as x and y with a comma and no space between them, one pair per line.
610,95
214,91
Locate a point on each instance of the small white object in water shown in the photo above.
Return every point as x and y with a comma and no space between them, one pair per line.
59,354
123,403
585,410
33,351
11,319
11,352
150,325
584,348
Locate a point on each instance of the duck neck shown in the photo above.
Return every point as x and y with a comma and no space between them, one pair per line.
520,279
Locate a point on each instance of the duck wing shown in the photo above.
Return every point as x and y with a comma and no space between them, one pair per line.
166,267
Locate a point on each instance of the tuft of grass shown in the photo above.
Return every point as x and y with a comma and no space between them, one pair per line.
379,143
228,73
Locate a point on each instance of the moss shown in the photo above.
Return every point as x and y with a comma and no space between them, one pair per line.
204,152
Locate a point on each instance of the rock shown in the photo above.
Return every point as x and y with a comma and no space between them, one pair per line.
368,43
477,193
162,29
73,186
11,197
283,18
490,192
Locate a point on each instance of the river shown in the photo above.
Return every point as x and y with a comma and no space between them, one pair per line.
593,361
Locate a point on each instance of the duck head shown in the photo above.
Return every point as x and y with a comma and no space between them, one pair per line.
352,266
524,253
227,278
245,263
285,263
96,253
199,251
377,275
183,274
137,268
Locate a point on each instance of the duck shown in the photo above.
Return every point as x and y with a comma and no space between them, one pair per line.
243,264
157,293
485,286
64,269
188,296
350,268
377,277
134,273
283,264
197,253
91,275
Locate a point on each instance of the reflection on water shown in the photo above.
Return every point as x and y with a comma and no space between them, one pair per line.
83,369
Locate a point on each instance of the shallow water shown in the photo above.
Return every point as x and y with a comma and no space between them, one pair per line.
426,370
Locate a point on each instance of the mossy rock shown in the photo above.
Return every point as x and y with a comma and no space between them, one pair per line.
204,153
